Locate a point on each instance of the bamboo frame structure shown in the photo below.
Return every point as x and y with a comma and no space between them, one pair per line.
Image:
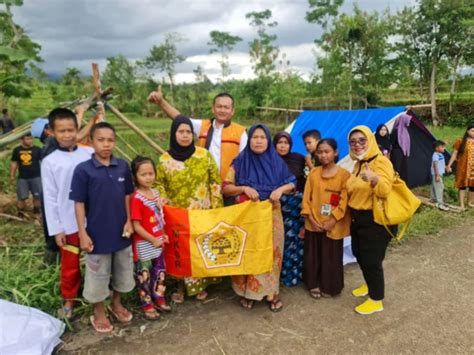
98,96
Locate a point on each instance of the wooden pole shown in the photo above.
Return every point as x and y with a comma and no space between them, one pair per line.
122,153
15,218
126,143
133,127
411,107
12,137
96,80
278,109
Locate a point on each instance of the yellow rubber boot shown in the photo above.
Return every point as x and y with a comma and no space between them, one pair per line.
361,291
369,307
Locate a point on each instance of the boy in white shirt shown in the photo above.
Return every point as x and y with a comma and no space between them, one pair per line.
56,173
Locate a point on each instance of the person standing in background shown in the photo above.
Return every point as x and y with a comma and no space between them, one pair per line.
6,123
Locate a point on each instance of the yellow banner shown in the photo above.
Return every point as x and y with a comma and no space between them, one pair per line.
234,240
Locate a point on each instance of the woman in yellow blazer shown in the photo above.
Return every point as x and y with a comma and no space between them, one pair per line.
373,175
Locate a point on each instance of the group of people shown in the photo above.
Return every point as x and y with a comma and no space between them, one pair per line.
95,202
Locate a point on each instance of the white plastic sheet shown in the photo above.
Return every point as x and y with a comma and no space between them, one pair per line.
26,330
347,256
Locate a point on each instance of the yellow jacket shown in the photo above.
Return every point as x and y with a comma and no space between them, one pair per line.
320,191
361,192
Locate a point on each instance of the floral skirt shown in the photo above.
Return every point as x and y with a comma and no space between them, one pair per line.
256,287
291,273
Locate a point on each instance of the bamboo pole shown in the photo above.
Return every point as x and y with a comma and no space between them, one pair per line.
411,107
15,218
120,137
122,153
10,138
133,127
5,153
20,128
278,109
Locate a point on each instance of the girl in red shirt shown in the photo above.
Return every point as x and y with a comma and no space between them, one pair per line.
148,239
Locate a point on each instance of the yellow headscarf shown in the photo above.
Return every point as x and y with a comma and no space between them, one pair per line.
372,147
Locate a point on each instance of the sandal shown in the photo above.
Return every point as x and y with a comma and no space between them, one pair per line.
65,312
123,316
101,327
151,314
177,297
201,296
247,304
315,293
275,305
162,305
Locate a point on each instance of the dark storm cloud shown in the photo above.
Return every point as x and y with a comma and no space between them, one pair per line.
77,32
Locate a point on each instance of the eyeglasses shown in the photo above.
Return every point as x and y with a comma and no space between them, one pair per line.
359,141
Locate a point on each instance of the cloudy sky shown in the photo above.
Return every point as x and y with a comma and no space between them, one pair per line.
75,33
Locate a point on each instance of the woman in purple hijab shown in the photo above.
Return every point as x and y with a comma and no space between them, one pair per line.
259,173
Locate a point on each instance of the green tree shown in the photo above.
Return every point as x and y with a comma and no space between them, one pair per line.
121,75
72,76
165,57
16,50
37,74
357,47
223,42
263,50
323,11
461,50
437,31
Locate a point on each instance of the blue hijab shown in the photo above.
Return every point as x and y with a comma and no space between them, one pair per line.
264,172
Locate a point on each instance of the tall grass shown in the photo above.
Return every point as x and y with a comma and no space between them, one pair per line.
26,280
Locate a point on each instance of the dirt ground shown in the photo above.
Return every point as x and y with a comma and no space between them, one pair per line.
428,309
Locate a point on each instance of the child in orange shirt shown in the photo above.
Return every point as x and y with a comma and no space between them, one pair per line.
327,222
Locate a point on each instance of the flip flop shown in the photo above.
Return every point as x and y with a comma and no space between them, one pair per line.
162,305
201,296
120,316
151,314
99,326
275,305
315,293
65,312
177,297
246,304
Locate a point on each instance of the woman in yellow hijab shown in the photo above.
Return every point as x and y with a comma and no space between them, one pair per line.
373,175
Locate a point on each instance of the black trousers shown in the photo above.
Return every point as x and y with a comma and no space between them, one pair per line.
369,243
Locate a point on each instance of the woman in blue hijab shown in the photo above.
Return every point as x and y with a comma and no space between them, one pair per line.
259,173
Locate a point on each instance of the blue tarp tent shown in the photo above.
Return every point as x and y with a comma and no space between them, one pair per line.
337,124
414,169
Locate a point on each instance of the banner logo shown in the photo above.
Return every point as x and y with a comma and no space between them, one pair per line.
222,246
